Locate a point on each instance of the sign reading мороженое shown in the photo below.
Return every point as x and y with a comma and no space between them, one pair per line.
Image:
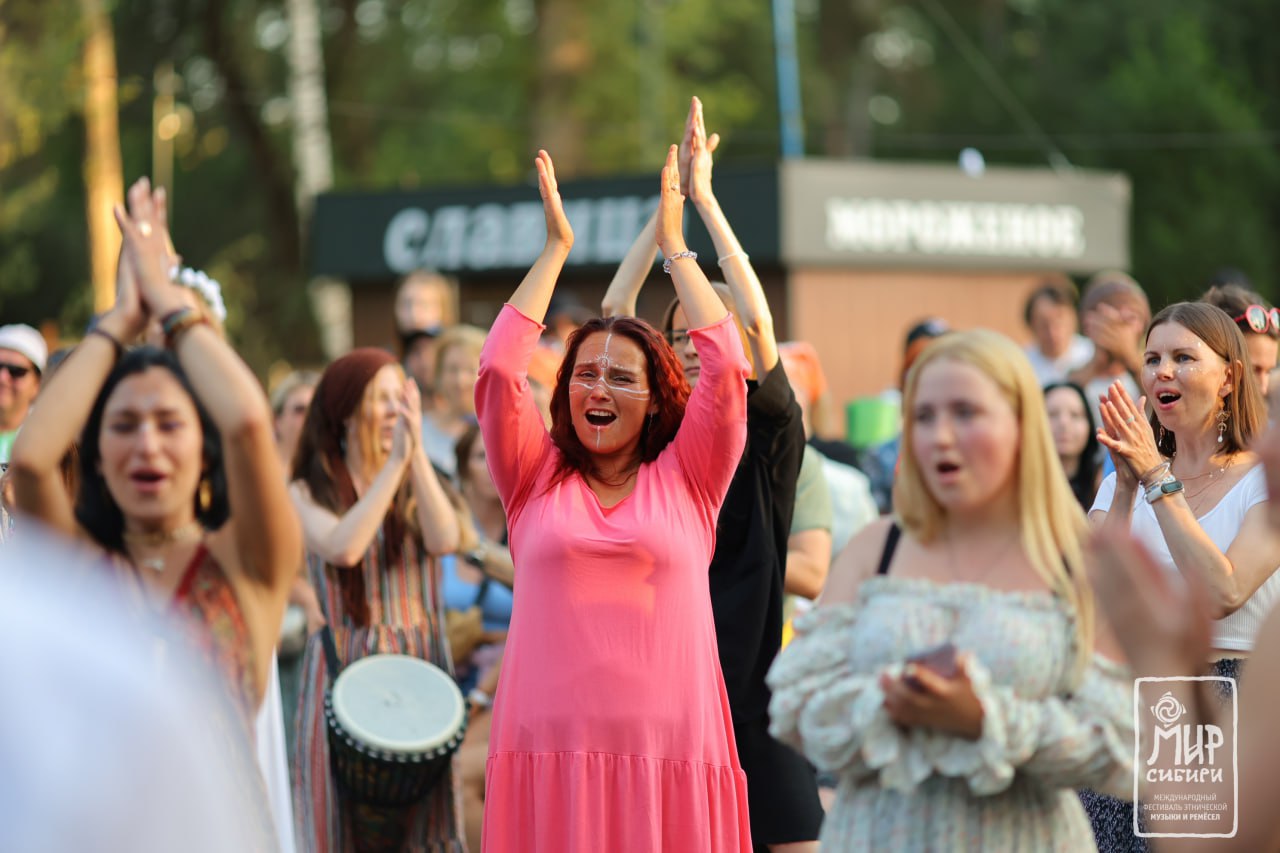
897,215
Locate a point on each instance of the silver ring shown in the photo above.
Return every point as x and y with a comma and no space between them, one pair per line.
144,228
1130,419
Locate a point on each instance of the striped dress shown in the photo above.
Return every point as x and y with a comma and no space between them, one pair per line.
404,618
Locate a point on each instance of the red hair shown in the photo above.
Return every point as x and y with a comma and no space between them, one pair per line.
668,390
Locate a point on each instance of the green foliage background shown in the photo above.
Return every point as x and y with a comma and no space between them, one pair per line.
1178,94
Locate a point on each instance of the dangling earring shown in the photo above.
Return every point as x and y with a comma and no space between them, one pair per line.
1160,438
204,496
1223,416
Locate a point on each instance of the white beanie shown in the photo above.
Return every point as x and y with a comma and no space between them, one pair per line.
27,341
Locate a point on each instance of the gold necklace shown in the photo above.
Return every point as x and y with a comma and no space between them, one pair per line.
1211,474
190,532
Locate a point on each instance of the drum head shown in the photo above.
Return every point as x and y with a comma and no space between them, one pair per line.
398,704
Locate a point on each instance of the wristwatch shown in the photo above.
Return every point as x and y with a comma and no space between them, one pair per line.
1165,487
479,699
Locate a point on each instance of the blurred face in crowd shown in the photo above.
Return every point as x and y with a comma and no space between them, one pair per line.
459,366
19,383
375,426
420,363
1068,421
1052,325
289,420
420,304
478,481
609,395
965,436
1262,355
680,341
150,449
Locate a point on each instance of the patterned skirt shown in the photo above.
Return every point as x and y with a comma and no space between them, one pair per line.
326,821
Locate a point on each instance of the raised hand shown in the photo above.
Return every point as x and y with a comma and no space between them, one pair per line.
693,126
1126,433
411,407
558,227
145,228
670,234
127,318
698,172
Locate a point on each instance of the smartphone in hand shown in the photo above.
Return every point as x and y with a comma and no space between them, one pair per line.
942,660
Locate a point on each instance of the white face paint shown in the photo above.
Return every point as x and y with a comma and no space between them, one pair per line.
604,368
609,394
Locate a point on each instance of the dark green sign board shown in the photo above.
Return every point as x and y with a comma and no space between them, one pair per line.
500,230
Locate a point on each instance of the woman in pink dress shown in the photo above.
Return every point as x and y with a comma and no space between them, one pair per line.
611,728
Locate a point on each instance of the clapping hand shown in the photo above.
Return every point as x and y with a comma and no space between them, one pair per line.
670,232
695,155
1126,434
559,231
145,229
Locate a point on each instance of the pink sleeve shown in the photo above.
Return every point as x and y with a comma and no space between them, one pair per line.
515,438
714,430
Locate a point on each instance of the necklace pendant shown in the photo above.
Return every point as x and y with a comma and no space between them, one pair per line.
155,564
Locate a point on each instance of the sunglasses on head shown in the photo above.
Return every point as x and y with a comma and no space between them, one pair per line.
17,371
1261,320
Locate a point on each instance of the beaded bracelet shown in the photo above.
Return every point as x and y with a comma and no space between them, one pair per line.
103,333
178,321
666,265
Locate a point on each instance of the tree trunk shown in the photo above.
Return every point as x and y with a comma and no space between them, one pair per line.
564,58
313,162
103,172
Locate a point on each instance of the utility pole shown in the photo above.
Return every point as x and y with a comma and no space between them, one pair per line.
790,115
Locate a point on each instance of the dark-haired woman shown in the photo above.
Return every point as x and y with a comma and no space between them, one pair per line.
373,515
179,480
1076,438
611,729
1190,490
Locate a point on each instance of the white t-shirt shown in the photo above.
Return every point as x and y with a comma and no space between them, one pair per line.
1048,370
1238,630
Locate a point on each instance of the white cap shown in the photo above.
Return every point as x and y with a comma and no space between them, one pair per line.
27,341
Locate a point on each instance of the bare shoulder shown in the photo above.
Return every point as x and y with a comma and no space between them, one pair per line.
857,562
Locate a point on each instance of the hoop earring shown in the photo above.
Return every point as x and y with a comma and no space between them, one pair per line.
1223,417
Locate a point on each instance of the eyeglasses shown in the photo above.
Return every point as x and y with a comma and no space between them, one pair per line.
17,371
1261,320
677,337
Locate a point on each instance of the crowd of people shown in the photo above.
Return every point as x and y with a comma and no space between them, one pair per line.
671,610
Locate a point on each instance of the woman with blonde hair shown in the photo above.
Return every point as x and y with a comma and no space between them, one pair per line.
457,363
950,675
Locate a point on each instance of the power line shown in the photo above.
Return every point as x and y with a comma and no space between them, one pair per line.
988,74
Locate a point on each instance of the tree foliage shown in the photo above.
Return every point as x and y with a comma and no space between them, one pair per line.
429,92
